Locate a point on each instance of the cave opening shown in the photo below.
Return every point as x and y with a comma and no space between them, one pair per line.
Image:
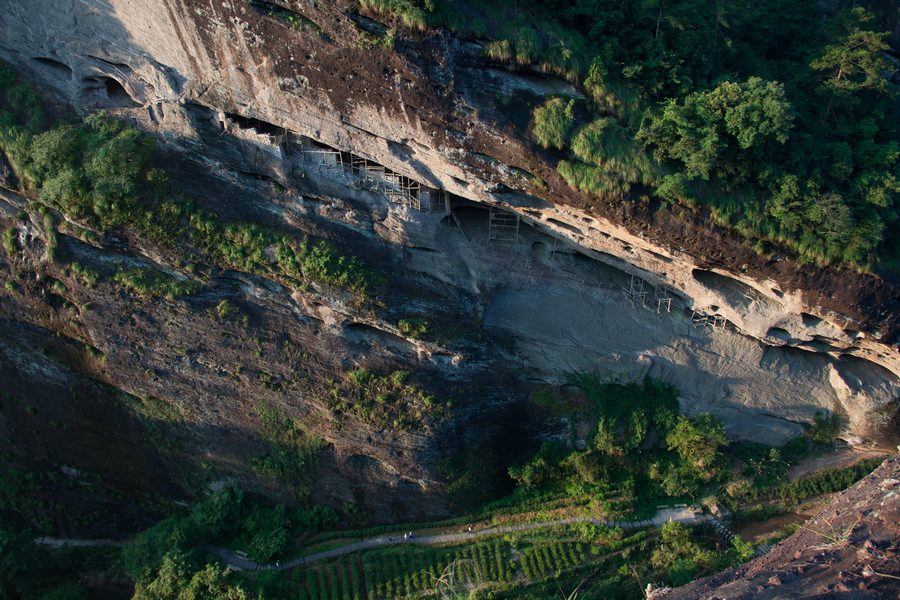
105,92
256,125
117,93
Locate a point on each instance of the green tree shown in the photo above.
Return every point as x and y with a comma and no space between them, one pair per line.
268,531
143,556
21,562
677,555
177,580
606,440
709,133
856,60
698,442
66,591
219,515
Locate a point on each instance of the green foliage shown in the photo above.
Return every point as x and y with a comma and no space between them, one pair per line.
856,60
542,469
227,516
720,132
10,241
144,555
323,263
769,469
777,116
626,455
414,572
499,50
826,427
743,550
385,400
28,570
86,275
552,122
20,562
608,160
50,233
473,475
625,412
100,171
66,591
816,484
292,457
151,283
414,327
269,529
678,555
24,497
699,442
21,116
179,578
412,13
93,170
226,311
294,19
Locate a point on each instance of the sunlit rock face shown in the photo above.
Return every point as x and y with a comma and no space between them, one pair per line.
404,156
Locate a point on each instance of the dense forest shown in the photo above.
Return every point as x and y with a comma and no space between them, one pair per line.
776,116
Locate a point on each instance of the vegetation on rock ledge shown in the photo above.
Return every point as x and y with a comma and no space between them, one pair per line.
779,117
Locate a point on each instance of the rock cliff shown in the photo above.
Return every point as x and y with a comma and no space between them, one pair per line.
416,159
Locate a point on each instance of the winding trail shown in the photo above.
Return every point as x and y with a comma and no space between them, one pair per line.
241,563
60,542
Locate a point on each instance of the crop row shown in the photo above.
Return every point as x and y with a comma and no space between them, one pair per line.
551,559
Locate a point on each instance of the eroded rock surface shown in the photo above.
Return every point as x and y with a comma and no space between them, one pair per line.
295,128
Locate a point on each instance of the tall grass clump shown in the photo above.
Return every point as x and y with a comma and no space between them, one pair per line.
553,121
408,11
608,160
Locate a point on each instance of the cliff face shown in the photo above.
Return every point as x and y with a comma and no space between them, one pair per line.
415,160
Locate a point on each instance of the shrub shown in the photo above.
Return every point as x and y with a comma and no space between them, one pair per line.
150,283
293,452
678,555
698,442
270,537
385,400
88,276
414,327
499,50
826,427
10,241
294,19
552,122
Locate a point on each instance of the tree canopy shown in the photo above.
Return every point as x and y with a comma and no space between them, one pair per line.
777,116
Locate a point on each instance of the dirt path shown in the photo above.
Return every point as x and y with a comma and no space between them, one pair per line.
837,459
241,563
682,515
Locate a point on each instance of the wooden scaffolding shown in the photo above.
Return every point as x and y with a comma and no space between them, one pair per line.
503,227
663,299
703,320
635,292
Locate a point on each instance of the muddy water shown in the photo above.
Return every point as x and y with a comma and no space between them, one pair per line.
761,529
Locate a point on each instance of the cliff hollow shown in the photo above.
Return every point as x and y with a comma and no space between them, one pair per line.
416,160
